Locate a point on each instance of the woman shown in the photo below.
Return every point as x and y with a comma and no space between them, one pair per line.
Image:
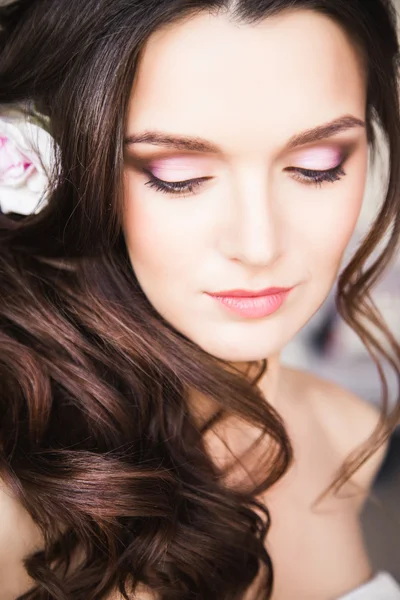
211,165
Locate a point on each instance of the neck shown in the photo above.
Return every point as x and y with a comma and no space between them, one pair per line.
269,382
204,407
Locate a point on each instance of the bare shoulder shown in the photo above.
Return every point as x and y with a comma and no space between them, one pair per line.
19,536
348,420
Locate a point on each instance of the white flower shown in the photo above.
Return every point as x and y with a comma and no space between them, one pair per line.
26,151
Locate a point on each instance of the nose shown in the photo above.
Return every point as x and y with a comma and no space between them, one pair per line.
252,227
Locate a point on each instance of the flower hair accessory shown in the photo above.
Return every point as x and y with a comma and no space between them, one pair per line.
26,151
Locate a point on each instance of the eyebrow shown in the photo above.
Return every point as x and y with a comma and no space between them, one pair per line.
196,144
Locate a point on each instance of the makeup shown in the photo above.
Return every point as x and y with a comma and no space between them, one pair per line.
254,306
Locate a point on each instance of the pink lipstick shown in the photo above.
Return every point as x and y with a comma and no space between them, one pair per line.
253,304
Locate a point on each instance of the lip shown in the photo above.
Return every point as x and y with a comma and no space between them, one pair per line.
251,304
250,293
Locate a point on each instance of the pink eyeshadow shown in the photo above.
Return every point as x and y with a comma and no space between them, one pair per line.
175,168
319,158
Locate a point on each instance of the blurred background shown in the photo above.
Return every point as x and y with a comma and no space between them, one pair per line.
329,348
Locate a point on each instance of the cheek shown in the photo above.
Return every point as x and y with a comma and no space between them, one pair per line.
333,227
329,218
157,243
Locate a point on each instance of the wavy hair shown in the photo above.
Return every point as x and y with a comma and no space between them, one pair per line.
97,439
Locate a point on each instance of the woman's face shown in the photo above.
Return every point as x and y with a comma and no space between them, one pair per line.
253,218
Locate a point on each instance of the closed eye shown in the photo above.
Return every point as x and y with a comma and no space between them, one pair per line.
174,187
190,186
310,177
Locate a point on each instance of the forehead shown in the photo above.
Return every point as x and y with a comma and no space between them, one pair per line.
247,85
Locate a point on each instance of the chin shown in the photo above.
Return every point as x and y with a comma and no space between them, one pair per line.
242,342
240,352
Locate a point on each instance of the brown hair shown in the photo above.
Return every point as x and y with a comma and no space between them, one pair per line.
97,439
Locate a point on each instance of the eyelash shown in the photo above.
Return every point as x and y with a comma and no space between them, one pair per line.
316,178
